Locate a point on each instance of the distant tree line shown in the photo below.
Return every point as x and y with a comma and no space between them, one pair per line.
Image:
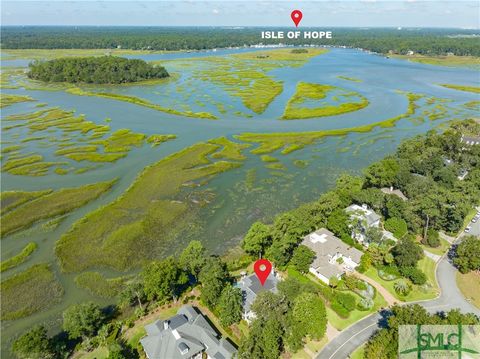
98,70
381,40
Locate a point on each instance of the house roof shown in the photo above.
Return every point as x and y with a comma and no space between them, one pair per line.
471,140
325,245
396,192
184,335
251,287
363,213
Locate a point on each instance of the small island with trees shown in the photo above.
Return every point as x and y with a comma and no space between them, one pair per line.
95,70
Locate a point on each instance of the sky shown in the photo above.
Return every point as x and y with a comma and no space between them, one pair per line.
323,14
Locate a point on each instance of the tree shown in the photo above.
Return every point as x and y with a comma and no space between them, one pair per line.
401,287
382,173
34,344
163,279
432,239
397,226
468,254
373,235
257,239
309,311
414,274
338,223
134,292
407,253
365,263
230,306
82,320
213,277
193,258
264,340
302,258
268,305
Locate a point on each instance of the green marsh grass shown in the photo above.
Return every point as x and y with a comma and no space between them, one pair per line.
51,205
29,291
19,258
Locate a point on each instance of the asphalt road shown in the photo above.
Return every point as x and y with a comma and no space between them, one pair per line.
357,334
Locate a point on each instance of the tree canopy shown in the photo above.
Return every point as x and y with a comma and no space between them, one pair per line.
97,70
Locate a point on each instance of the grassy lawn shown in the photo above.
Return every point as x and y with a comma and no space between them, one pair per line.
469,285
134,334
427,265
312,345
334,319
467,61
98,353
355,315
358,353
440,250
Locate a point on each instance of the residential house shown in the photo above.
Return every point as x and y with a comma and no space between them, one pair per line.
364,218
470,140
251,287
395,192
333,257
187,335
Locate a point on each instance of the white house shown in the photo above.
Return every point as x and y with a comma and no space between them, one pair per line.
364,218
333,257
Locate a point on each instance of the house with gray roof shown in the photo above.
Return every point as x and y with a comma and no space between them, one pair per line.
333,257
187,335
251,287
470,140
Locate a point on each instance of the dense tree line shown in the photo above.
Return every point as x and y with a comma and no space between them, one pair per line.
98,70
381,40
384,343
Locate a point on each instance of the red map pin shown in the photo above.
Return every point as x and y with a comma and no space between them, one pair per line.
262,269
296,16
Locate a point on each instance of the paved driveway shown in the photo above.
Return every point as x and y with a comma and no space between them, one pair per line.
357,334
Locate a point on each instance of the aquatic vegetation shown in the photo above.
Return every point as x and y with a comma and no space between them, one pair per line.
80,140
121,141
155,140
312,91
7,100
11,149
100,286
473,105
231,150
289,142
245,75
15,163
76,149
267,158
19,258
95,157
12,199
141,102
137,225
51,205
34,169
276,166
353,79
300,163
453,61
474,89
29,291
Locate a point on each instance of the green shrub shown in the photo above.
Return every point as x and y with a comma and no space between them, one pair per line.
346,300
340,310
414,274
432,239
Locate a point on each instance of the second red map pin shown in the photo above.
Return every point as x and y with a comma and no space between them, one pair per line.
296,16
262,269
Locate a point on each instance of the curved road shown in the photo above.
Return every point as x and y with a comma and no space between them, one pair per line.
357,334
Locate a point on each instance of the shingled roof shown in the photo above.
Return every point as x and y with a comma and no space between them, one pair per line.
183,336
